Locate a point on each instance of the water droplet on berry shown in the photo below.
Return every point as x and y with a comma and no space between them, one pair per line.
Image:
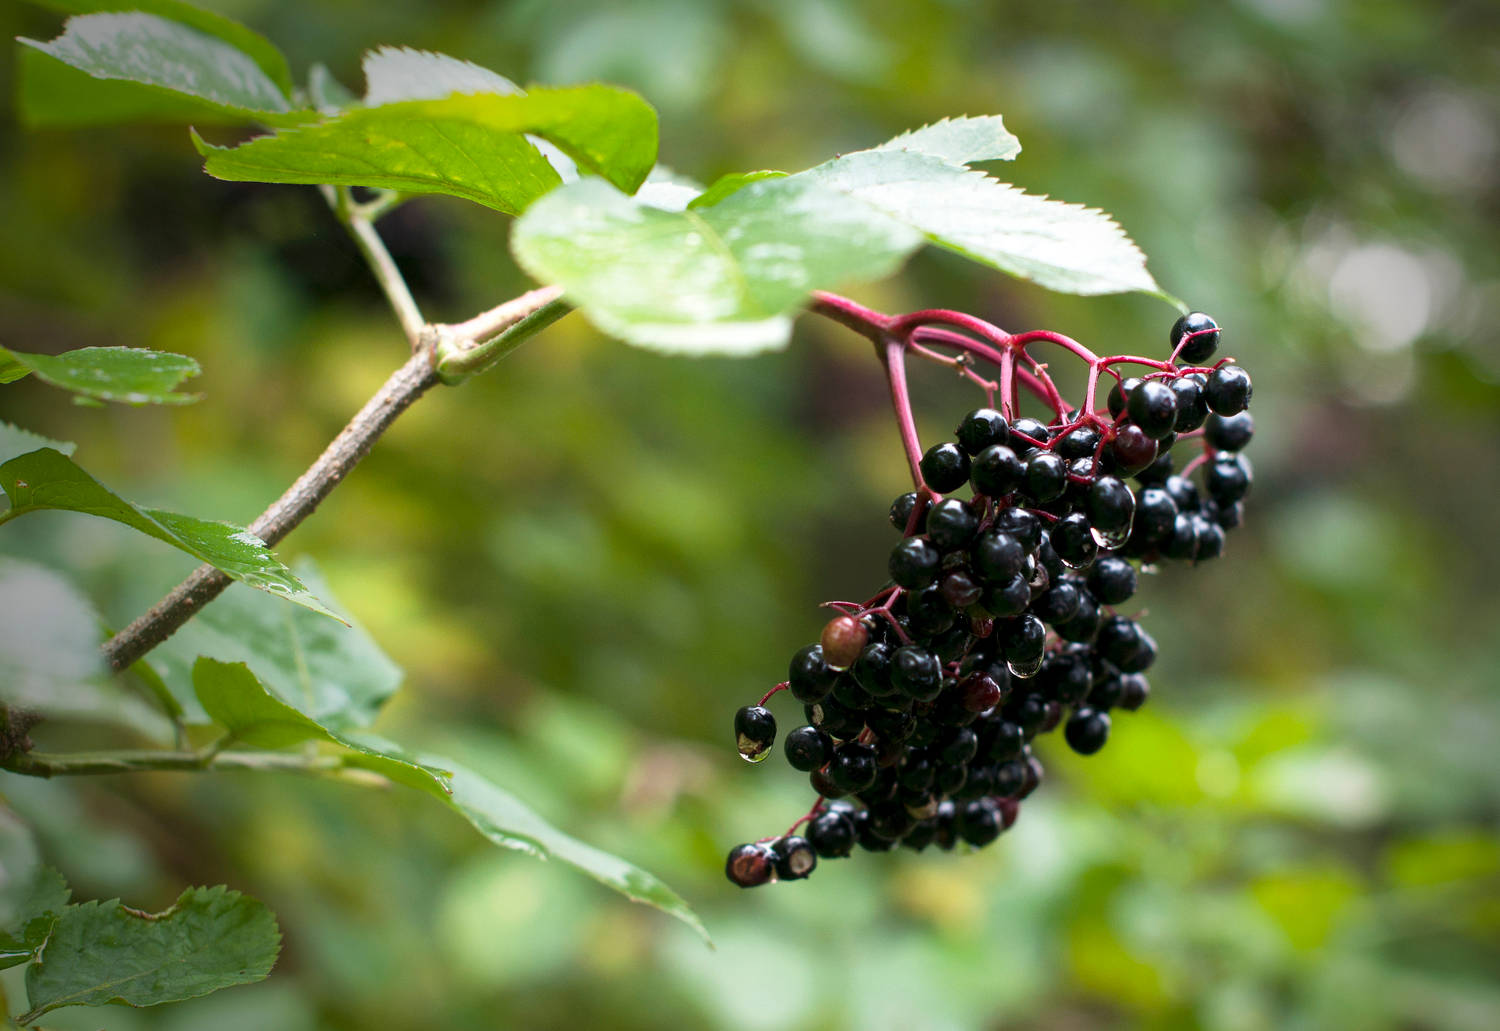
1112,539
1024,667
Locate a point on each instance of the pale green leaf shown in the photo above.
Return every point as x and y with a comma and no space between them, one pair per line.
960,141
46,479
510,823
394,74
103,952
469,146
260,50
1063,247
727,184
337,675
129,375
721,279
49,652
170,59
16,441
254,716
327,94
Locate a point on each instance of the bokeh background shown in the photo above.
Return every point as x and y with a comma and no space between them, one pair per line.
586,559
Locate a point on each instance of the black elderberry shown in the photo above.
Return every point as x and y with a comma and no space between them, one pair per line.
996,471
951,524
1192,406
1047,558
1028,712
750,865
807,748
920,836
1228,477
1084,624
873,668
853,766
1182,542
1058,603
980,692
848,693
1022,525
868,840
929,612
1210,538
1184,491
754,732
1119,395
890,820
890,724
1008,599
1227,516
1134,690
1024,638
844,637
1228,390
959,746
1204,338
916,772
914,562
1132,450
1153,407
1079,442
884,788
794,857
1155,474
1073,540
916,672
979,822
1046,476
1229,432
901,510
1066,676
945,467
950,780
831,834
1107,690
833,718
823,784
982,428
997,556
1112,580
1111,507
1022,428
1087,730
1155,512
808,676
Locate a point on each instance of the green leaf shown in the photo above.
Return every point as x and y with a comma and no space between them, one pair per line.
960,141
42,894
469,146
510,823
103,952
254,716
16,441
720,279
394,74
47,479
11,369
1064,247
49,652
173,61
260,50
727,184
337,675
129,375
327,94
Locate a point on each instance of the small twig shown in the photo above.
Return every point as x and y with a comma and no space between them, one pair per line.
360,221
501,317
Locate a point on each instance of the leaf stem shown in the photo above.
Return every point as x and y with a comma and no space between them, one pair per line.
473,346
359,220
44,764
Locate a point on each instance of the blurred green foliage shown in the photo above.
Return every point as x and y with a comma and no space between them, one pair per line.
586,559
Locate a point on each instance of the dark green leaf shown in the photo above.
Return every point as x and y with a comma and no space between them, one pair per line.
254,716
47,479
720,279
337,675
164,68
465,146
127,374
10,369
41,896
510,823
261,50
103,952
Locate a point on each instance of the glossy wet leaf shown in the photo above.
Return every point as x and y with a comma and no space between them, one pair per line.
256,717
720,279
153,66
47,479
469,146
103,952
129,375
335,674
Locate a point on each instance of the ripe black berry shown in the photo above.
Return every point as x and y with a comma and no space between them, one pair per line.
1028,428
831,834
1087,730
807,748
1153,407
1112,580
1046,476
808,675
1058,603
901,510
1008,599
1204,338
853,766
979,822
1192,407
1111,506
915,561
750,865
1229,432
951,524
982,428
1025,636
1021,525
1132,450
1119,395
997,556
794,858
754,732
1228,477
873,668
916,672
1134,690
996,471
1228,390
945,467
1073,540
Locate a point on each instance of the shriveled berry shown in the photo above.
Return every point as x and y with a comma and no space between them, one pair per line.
982,428
754,732
794,857
945,467
951,524
807,748
750,865
844,637
1203,338
831,834
1087,730
915,561
1228,390
809,676
1229,432
996,471
1153,407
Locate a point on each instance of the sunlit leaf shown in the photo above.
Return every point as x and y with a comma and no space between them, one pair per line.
960,141
126,374
394,74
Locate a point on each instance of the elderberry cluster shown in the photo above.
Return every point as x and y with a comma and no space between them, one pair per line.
1001,620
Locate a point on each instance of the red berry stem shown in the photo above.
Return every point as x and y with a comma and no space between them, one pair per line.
767,696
